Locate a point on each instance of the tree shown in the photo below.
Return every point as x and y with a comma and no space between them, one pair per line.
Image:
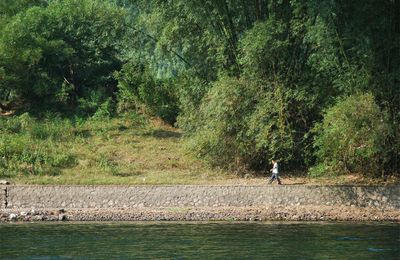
353,137
54,55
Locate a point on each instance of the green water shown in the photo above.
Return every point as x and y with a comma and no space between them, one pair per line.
200,241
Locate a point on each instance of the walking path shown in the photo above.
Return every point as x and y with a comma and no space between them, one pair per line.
199,202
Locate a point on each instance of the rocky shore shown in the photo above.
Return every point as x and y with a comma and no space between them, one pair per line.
276,213
199,203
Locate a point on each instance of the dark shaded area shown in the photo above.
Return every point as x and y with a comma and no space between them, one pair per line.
127,174
84,133
164,134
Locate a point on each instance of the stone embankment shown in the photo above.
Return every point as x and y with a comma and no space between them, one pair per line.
197,203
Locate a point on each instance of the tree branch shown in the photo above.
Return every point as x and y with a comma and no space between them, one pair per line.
166,47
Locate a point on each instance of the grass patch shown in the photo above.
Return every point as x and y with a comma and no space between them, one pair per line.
129,149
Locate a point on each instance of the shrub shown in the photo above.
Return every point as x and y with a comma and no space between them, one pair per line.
270,127
352,136
20,155
191,91
52,130
105,110
137,88
15,124
221,136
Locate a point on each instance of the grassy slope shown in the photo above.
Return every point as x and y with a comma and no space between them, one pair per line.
125,150
115,151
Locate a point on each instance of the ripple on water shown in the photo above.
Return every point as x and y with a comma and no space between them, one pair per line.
272,240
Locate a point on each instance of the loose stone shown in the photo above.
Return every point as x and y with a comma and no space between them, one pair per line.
12,217
62,217
38,218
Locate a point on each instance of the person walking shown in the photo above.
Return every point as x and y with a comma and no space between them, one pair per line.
275,173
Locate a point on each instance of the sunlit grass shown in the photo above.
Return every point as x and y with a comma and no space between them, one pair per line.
121,150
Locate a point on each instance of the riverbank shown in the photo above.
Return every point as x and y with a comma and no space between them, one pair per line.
199,203
275,213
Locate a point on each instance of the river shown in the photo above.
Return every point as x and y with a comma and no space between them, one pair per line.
204,240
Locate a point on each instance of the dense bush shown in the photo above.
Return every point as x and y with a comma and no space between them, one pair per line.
266,49
243,124
271,126
221,137
191,91
61,55
353,137
137,88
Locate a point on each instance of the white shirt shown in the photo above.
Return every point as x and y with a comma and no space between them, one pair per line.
275,168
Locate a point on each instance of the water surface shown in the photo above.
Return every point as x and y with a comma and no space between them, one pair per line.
200,241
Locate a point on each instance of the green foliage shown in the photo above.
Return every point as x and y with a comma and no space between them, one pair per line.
266,49
273,55
191,91
138,88
52,129
105,110
15,125
243,124
22,150
353,136
221,137
270,126
10,8
47,146
57,56
246,80
302,58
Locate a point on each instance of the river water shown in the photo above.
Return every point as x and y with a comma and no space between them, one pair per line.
215,240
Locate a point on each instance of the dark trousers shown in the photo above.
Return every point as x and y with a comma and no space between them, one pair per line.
275,176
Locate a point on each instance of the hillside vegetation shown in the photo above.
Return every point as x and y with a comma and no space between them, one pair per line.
313,84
